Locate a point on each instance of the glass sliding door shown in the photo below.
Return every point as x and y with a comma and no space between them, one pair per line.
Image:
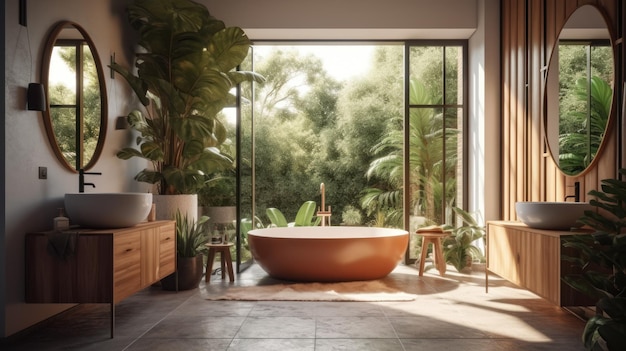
245,167
381,125
434,148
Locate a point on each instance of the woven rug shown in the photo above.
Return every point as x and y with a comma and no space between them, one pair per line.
374,290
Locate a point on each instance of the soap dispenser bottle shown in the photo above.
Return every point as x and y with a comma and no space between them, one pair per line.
61,222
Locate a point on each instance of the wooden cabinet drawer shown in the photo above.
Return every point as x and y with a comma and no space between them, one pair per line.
531,258
127,264
167,250
108,266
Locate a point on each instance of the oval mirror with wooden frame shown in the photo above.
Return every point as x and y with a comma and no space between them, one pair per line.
579,91
76,115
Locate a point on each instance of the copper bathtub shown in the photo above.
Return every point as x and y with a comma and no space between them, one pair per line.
328,254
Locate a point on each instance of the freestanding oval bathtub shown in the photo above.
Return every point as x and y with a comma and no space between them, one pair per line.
328,254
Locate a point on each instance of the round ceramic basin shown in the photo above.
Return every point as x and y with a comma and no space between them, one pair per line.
552,215
107,210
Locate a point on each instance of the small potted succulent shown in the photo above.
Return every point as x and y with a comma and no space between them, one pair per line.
191,239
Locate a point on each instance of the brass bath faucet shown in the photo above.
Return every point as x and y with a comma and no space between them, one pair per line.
322,212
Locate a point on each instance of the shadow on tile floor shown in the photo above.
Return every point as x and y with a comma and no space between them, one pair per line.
452,312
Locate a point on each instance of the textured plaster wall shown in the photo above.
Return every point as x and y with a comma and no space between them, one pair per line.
484,137
31,203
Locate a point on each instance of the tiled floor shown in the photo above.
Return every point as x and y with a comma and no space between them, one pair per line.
451,313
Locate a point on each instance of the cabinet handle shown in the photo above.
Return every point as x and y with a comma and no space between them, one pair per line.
129,250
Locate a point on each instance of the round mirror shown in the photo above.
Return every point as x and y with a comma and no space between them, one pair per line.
579,91
76,114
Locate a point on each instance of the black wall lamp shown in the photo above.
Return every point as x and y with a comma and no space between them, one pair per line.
36,97
36,94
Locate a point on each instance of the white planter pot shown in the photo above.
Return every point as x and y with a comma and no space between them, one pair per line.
221,214
167,205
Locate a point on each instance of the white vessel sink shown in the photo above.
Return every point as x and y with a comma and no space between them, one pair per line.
107,210
552,215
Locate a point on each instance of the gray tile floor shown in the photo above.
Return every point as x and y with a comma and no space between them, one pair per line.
451,313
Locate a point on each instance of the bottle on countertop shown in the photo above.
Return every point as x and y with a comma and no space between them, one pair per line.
61,222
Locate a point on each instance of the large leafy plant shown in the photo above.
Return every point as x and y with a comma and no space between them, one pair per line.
602,266
459,248
184,75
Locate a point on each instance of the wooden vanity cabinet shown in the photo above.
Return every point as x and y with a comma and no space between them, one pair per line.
108,265
531,259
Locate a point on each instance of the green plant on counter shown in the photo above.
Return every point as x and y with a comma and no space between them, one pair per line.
602,264
458,248
191,236
304,217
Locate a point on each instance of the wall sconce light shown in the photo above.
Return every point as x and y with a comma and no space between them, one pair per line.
36,97
22,13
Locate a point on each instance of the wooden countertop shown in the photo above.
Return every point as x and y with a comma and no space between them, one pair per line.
108,231
554,233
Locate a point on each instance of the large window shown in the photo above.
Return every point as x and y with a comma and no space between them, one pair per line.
380,125
436,111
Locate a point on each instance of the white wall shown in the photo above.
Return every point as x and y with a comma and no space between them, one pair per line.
348,19
30,203
485,137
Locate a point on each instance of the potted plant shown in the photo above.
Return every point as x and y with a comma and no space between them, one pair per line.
191,238
218,199
602,266
183,76
458,248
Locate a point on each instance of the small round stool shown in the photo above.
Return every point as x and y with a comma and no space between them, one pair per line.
432,236
225,259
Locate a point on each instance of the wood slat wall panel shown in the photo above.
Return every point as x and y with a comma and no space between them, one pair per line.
535,102
521,144
529,173
506,109
509,171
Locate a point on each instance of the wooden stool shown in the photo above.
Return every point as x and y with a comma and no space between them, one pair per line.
225,259
432,236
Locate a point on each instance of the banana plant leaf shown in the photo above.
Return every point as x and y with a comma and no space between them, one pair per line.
305,215
276,217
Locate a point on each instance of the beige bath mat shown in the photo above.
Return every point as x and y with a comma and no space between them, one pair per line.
374,290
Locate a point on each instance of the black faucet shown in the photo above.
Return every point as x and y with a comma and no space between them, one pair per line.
81,180
576,195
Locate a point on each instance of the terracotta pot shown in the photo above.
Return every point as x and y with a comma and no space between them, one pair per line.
190,271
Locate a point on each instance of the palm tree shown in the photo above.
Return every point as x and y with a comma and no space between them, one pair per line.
428,168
